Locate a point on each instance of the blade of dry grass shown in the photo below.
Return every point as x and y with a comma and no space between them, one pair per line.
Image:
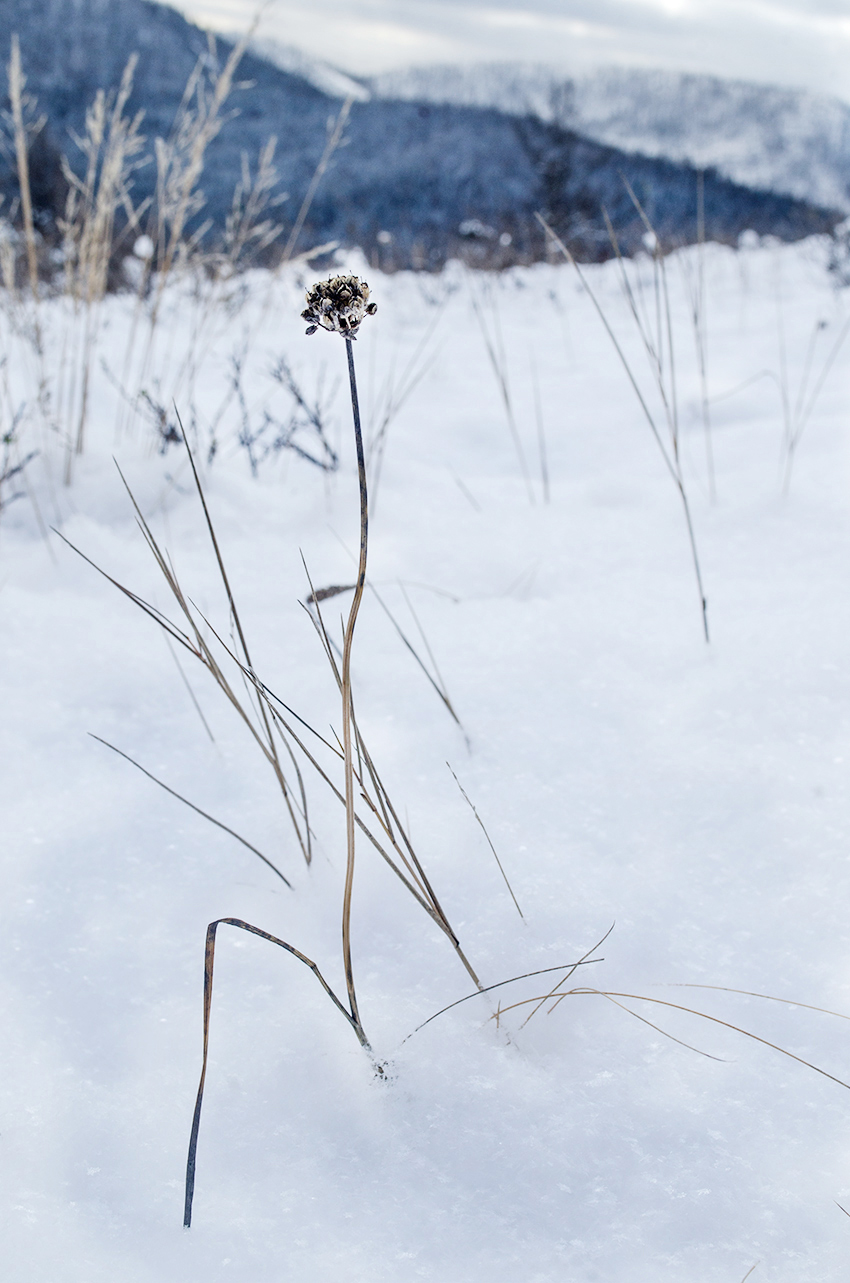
192,806
527,975
638,997
768,997
173,653
672,464
17,84
489,841
433,908
333,141
498,363
194,642
305,842
209,964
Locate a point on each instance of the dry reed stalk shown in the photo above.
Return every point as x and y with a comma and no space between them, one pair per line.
257,719
556,995
542,452
180,160
806,401
392,400
472,807
693,280
25,125
111,145
17,84
248,226
671,458
333,141
179,163
192,807
795,420
698,317
498,361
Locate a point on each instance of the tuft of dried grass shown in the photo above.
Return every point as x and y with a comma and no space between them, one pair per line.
24,130
112,146
659,349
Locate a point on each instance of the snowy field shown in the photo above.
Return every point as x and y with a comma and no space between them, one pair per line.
694,796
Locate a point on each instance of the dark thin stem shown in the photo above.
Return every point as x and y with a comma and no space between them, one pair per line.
209,963
346,691
192,807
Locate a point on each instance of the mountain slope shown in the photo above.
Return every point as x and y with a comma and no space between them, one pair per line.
784,140
414,184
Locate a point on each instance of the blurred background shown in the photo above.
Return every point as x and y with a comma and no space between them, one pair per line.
804,43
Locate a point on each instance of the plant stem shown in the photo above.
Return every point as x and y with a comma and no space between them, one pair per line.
346,701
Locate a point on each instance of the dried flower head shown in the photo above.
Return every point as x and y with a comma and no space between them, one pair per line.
338,304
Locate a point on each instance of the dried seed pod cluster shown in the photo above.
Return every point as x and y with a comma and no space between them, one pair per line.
338,304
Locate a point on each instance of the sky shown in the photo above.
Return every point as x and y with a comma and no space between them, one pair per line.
802,43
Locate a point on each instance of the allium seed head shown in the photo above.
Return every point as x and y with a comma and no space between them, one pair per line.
339,304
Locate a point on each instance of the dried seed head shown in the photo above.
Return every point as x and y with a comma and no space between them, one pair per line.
339,304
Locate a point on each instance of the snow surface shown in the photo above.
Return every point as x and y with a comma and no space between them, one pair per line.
694,795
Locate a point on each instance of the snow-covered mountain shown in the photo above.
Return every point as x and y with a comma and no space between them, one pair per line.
322,75
784,140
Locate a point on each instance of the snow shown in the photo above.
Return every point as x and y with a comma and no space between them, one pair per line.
693,795
331,80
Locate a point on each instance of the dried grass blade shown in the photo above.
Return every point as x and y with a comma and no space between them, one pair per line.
436,685
552,993
769,997
687,1045
192,806
330,147
728,1025
209,963
155,614
489,842
527,975
188,686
